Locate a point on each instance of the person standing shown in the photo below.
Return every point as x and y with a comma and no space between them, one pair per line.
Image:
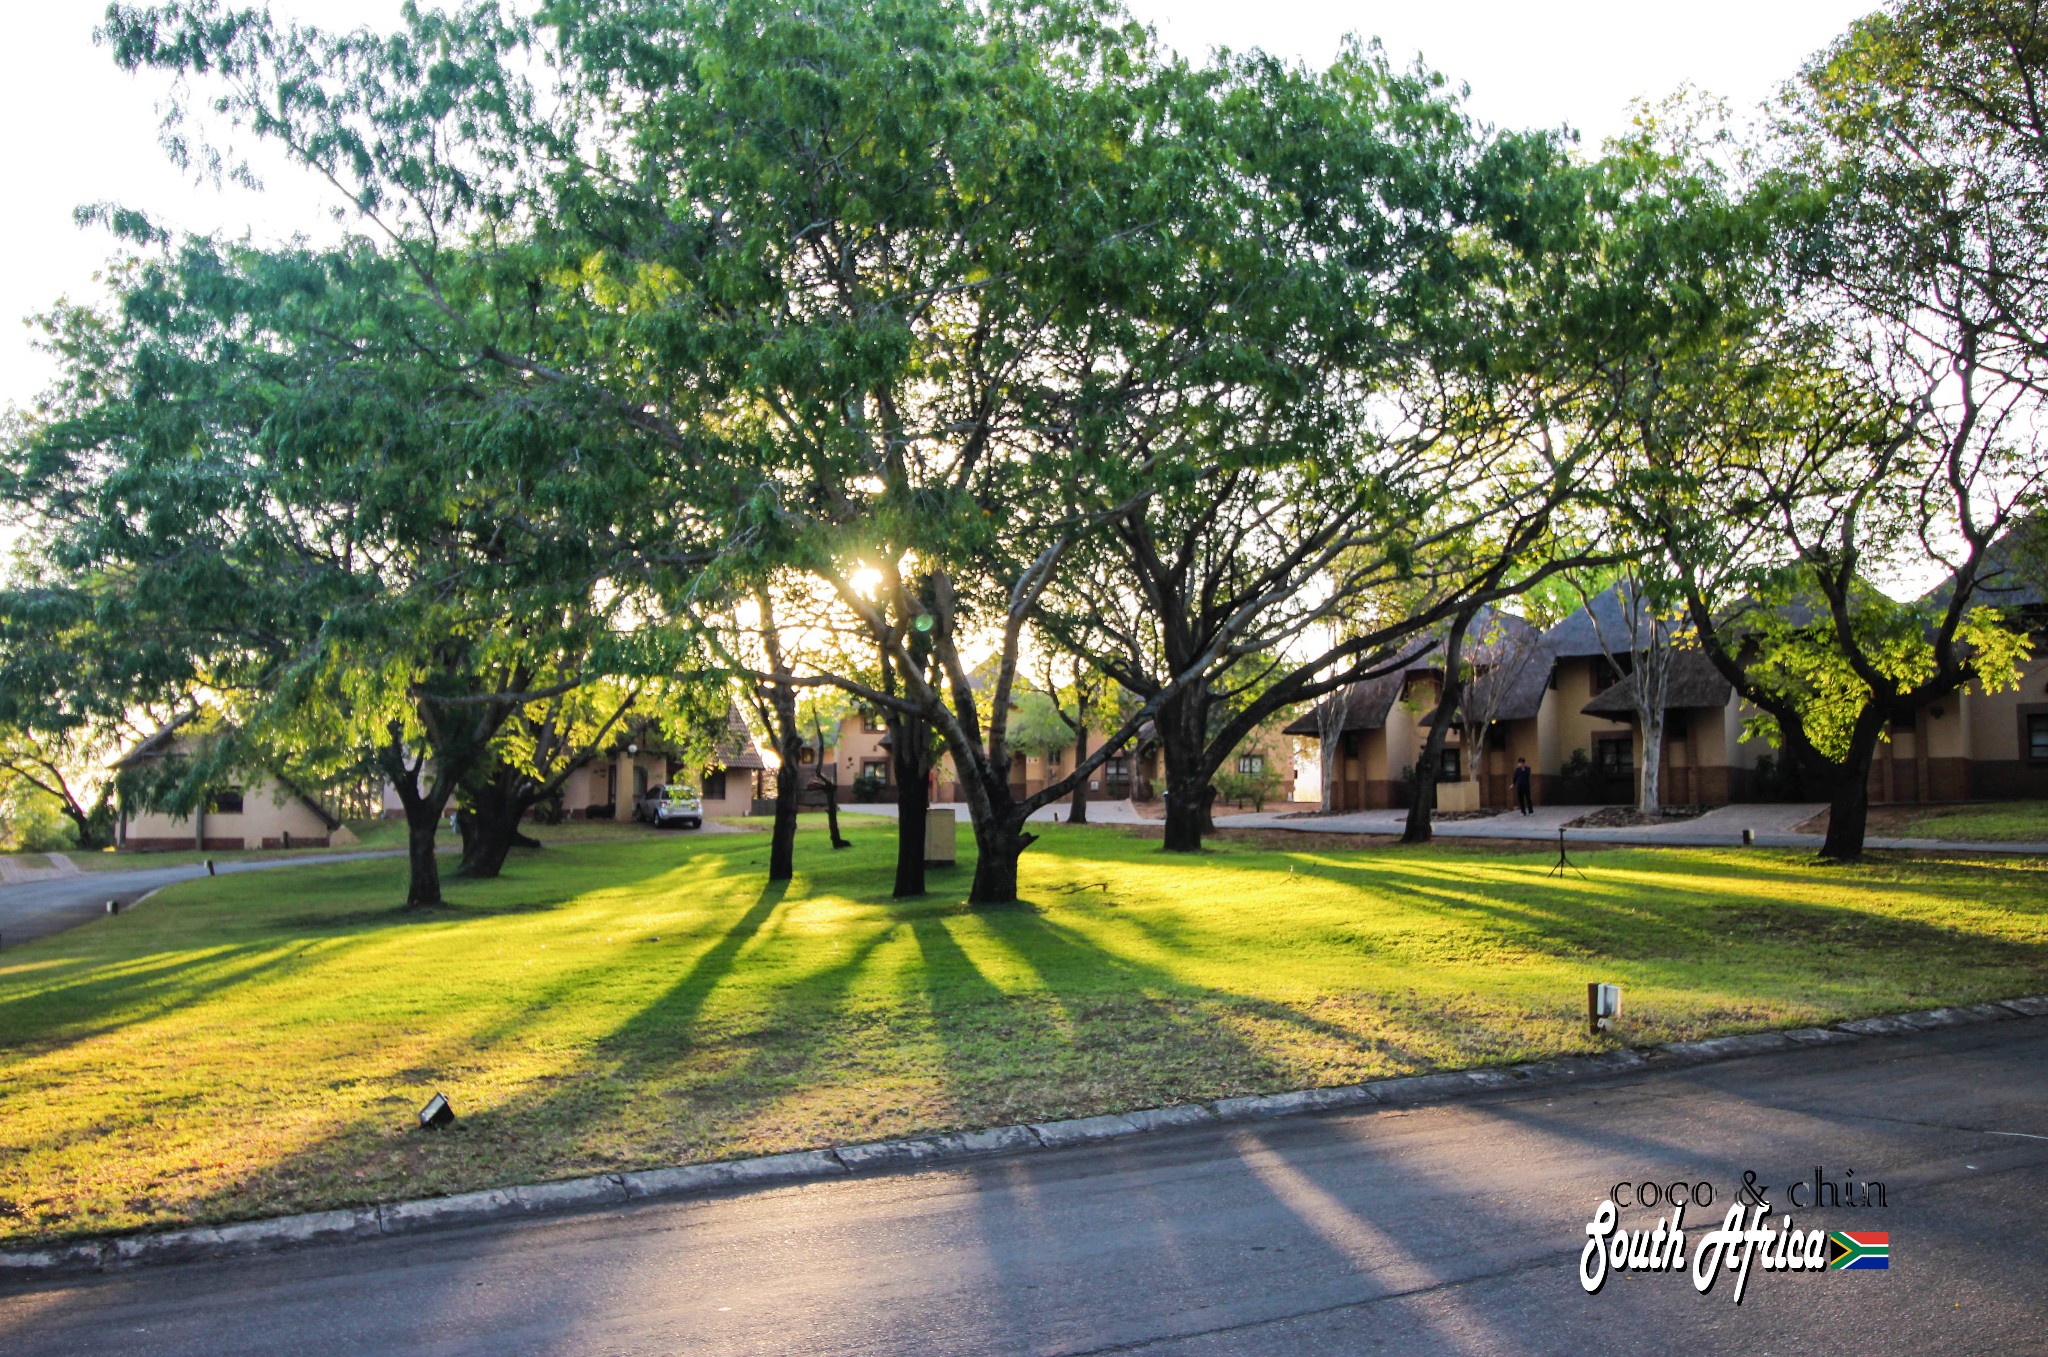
1521,781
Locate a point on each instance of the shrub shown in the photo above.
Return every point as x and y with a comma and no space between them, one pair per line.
35,822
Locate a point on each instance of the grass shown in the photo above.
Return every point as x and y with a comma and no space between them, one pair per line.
1984,822
372,836
257,1044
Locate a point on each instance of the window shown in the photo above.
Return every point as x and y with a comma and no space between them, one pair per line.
1605,675
714,784
1452,764
1053,761
1251,763
806,754
1613,756
2037,736
1117,767
878,769
226,801
873,724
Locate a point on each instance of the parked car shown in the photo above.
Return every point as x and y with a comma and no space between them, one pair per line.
678,805
644,803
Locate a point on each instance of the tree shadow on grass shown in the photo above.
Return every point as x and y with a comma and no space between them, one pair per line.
59,1013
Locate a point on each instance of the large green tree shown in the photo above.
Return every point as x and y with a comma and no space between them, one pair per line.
287,473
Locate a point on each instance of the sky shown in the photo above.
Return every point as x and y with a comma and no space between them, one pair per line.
86,133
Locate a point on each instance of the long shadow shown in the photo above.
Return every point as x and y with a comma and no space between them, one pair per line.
549,1121
58,1015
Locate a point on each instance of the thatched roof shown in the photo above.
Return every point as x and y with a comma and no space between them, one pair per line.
2009,576
1364,706
1504,658
737,750
1605,615
1693,682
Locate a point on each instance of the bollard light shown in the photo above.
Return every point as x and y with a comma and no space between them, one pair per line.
1748,837
436,1114
113,906
1603,1006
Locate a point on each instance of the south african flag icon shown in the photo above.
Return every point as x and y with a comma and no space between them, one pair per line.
1850,1250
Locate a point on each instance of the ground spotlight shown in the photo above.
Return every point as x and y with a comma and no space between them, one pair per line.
436,1114
1603,1005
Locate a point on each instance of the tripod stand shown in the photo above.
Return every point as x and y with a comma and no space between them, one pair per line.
1564,863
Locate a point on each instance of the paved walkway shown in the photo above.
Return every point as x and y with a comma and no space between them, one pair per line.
1456,1228
1099,812
14,872
1774,826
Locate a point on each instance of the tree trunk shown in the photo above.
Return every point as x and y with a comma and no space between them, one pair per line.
1649,791
1077,810
422,823
908,743
1183,727
1419,829
997,849
1849,810
81,823
831,789
782,841
1184,813
489,826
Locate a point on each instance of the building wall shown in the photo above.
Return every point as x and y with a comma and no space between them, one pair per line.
1977,741
1571,689
269,814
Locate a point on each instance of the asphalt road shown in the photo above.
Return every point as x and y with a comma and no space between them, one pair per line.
32,909
1455,1228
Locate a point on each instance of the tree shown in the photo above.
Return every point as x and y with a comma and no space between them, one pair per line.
1866,409
1507,652
816,710
1077,698
1383,448
1430,763
277,475
946,296
70,771
1640,640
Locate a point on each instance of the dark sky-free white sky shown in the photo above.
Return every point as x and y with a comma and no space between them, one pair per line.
83,132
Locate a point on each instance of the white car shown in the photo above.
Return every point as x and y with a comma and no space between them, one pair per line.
678,805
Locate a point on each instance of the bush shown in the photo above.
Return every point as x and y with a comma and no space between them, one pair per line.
1257,788
36,823
867,787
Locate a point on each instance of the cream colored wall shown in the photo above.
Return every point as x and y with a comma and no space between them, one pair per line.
268,812
1573,728
858,746
591,786
1991,720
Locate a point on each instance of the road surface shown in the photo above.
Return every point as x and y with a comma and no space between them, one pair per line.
1455,1228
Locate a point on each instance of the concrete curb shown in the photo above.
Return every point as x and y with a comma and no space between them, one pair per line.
953,1147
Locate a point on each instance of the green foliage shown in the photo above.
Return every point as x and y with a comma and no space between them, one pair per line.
1036,726
33,821
1257,786
1800,659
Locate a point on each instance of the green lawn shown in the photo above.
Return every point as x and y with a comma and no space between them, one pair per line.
259,1043
372,836
1990,821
